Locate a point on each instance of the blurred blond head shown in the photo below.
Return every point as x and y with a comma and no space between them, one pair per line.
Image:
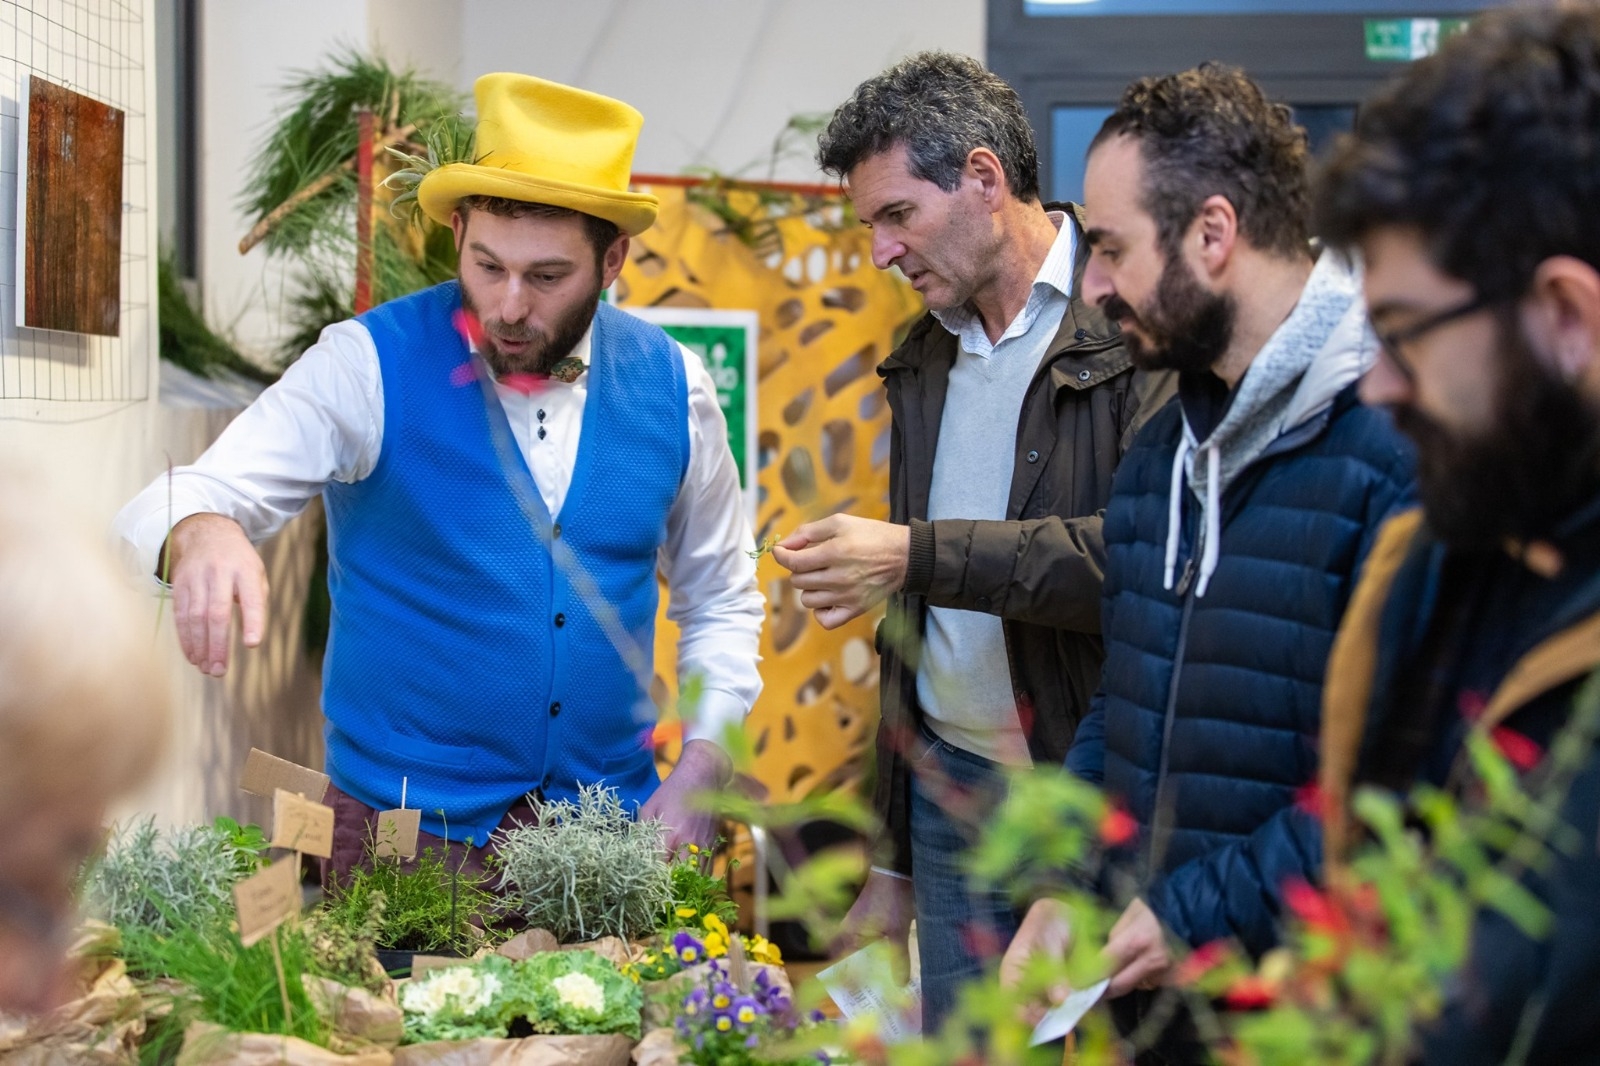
83,717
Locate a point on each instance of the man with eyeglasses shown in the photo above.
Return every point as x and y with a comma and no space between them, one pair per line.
1469,187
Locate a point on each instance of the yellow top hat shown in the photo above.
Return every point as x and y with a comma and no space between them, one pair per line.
549,144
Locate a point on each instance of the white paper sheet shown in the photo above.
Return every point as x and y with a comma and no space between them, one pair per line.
1064,1017
863,984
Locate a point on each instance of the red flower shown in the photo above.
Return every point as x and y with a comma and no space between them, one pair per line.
527,384
1519,751
469,327
1314,908
1308,797
1201,961
1117,826
1250,992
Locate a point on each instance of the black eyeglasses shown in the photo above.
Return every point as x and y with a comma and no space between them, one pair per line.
1392,340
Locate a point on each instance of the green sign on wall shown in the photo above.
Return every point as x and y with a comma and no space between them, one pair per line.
726,342
1402,40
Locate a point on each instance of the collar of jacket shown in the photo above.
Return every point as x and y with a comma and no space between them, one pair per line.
1085,334
1567,652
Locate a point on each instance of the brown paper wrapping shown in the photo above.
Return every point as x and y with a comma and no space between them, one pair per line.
610,1050
658,1048
356,1014
101,1026
205,1044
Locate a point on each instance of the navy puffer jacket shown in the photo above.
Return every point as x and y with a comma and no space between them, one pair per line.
1209,704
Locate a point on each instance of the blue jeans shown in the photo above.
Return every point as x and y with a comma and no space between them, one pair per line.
960,928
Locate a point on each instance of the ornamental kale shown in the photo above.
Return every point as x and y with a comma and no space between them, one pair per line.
574,992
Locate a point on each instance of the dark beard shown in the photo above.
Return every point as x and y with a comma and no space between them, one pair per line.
548,348
1189,328
1518,480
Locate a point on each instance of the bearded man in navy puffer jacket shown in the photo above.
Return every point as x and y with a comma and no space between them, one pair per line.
1237,524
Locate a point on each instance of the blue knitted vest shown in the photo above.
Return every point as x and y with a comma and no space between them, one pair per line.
480,648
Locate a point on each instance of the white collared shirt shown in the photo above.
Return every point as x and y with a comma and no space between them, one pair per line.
1053,282
323,421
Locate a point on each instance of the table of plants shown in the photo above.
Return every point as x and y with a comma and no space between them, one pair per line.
579,943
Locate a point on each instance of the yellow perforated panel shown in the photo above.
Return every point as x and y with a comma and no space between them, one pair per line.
828,317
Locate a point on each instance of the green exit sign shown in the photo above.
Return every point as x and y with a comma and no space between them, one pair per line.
1402,40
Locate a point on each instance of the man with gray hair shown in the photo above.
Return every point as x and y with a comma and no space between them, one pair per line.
1012,401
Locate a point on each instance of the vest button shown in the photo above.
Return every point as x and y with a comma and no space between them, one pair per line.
555,708
561,620
555,531
1033,457
1082,334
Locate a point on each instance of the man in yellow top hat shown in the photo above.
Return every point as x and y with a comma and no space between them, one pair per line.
505,462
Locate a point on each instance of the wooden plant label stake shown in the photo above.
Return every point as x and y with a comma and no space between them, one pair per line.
738,964
283,982
398,829
397,833
301,824
267,899
264,774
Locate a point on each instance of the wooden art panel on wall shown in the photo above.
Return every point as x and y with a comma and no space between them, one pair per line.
69,217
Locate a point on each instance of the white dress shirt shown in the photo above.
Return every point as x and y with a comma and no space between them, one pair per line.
323,421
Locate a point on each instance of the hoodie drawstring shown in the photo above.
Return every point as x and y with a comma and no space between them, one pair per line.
1211,537
1175,509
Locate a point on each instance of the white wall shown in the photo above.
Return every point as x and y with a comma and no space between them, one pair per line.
716,79
247,52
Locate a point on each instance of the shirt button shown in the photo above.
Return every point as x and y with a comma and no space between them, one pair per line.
561,620
1033,457
1080,335
555,708
1083,375
541,413
541,433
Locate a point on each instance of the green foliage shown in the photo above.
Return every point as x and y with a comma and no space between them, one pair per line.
426,904
186,339
344,943
449,140
697,892
178,880
217,979
319,133
586,870
555,992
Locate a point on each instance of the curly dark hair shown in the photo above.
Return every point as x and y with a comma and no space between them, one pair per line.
1211,131
940,106
1491,149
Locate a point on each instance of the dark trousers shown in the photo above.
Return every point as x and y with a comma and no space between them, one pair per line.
961,929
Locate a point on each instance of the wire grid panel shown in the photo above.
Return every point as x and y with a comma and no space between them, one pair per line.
96,48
